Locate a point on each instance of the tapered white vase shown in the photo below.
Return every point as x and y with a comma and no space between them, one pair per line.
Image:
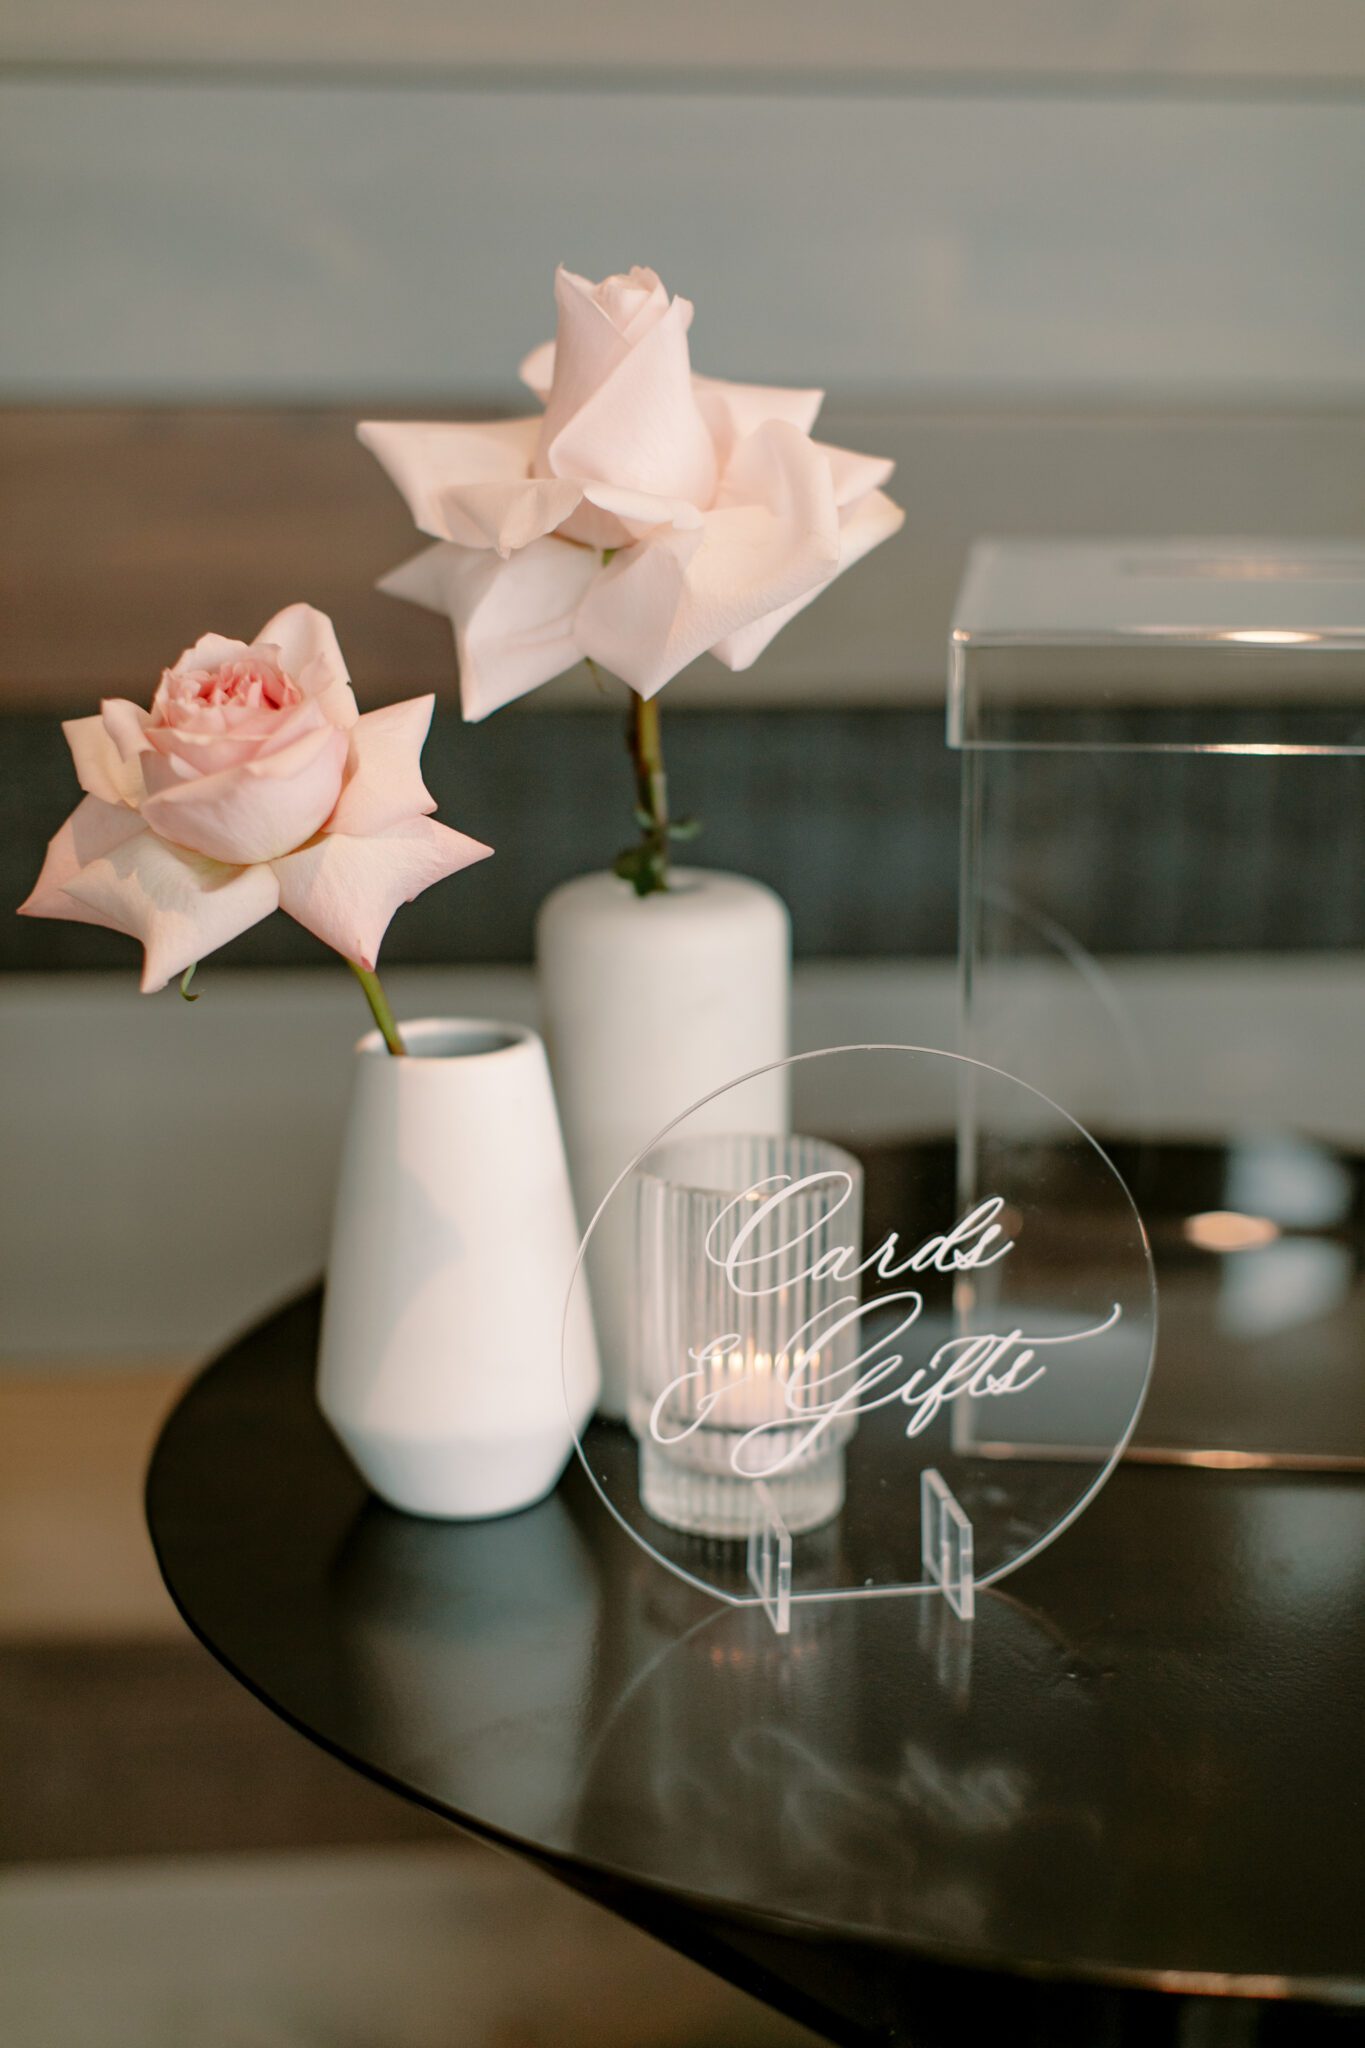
452,1250
649,1003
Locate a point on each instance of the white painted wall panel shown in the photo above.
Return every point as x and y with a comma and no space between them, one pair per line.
1227,41
189,240
169,1172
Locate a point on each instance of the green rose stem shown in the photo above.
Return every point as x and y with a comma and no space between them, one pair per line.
379,1004
646,865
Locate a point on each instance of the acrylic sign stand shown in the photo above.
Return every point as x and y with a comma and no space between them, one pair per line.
946,1545
798,1377
945,1548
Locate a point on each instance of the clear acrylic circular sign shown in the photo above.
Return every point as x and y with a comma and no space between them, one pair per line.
890,1317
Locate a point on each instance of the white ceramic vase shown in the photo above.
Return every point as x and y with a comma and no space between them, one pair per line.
648,1004
452,1250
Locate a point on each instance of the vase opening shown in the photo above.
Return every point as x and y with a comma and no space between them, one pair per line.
682,882
434,1038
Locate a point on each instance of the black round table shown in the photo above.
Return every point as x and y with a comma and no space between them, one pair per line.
1130,1788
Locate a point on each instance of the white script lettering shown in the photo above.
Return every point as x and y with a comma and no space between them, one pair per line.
823,1371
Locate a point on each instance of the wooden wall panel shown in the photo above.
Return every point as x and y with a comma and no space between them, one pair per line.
125,533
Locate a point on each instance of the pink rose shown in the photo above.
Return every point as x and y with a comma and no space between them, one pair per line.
253,784
646,517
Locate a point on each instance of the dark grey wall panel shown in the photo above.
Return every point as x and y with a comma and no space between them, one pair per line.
852,815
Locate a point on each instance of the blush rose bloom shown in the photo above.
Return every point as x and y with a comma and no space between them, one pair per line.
721,518
253,784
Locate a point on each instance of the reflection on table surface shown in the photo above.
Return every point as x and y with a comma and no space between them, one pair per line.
1147,1761
1259,1248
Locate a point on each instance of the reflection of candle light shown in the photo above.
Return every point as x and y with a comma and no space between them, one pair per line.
1226,1230
1266,636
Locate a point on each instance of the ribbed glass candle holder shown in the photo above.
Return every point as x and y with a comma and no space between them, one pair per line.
746,1326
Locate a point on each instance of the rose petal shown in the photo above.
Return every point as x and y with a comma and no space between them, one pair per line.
633,300
639,512
311,654
179,905
587,349
230,745
384,771
598,531
780,469
504,517
639,428
93,829
862,527
255,812
638,619
580,302
345,890
855,475
513,620
734,411
209,651
211,721
164,771
537,370
589,345
102,770
472,484
665,601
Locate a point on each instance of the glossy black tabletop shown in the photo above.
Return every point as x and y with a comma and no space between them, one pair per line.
1135,1780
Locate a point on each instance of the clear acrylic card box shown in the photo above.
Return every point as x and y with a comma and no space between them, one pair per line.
1163,928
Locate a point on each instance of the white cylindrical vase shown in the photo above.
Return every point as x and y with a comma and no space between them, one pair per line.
649,1003
452,1250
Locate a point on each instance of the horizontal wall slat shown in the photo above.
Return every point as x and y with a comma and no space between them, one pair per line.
1199,40
184,239
254,1079
124,534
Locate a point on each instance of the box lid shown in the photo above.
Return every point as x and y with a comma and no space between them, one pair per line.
1284,593
1207,644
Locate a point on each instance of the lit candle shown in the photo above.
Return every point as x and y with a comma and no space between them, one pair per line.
743,1388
